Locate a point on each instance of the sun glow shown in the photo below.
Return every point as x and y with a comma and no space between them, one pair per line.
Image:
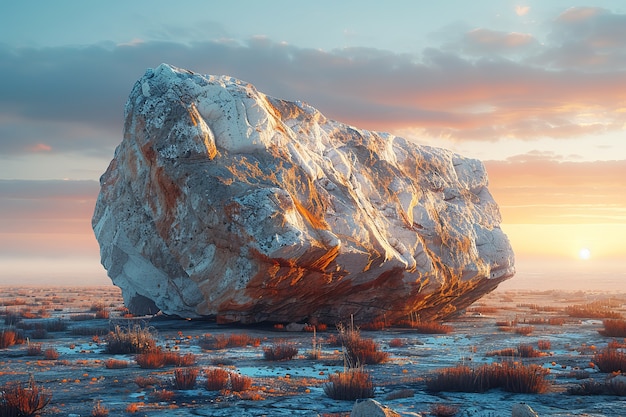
584,254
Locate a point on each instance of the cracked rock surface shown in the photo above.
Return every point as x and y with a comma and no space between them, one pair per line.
222,201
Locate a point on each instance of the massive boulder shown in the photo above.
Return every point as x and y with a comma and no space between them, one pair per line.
224,202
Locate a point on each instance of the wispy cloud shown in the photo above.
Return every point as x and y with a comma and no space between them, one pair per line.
542,188
486,85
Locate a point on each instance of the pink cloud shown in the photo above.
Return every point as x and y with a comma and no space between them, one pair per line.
522,10
39,147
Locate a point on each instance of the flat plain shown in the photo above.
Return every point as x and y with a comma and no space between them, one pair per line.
60,340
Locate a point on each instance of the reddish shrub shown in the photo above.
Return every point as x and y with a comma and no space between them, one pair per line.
359,351
99,410
443,410
163,395
209,342
509,376
239,383
159,358
7,338
280,351
432,328
613,328
216,379
396,343
147,381
544,344
115,364
50,354
524,330
610,360
17,400
185,378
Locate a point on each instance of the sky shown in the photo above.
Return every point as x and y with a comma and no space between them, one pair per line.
534,89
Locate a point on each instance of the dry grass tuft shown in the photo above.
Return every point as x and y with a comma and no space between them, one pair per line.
509,376
158,358
443,410
610,360
8,338
134,339
147,381
280,351
239,383
163,395
209,342
613,328
595,310
99,410
185,378
349,385
432,328
115,364
359,351
51,354
216,379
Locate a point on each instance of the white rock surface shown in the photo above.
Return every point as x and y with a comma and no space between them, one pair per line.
371,408
223,201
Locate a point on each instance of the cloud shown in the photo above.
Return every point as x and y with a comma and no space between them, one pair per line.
589,38
522,10
484,41
47,218
540,187
485,85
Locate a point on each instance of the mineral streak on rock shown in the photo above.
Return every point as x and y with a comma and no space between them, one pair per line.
222,201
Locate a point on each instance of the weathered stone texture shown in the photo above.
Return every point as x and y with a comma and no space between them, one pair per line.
223,201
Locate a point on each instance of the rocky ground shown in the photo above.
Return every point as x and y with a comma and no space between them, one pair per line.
75,323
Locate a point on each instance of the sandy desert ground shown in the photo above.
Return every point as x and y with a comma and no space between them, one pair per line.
64,349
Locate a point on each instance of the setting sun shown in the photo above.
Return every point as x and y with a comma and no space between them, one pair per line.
584,254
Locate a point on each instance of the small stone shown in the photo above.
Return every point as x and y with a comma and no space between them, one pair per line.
371,408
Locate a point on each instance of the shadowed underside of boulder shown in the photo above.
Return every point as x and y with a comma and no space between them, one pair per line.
222,201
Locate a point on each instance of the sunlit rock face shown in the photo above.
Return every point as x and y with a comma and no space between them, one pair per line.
222,201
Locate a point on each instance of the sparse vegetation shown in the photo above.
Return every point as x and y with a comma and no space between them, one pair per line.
147,382
239,383
613,328
50,354
216,379
185,378
597,310
158,358
163,395
280,351
19,400
8,338
210,342
359,351
99,410
133,339
443,410
522,351
509,376
350,385
432,328
115,364
610,359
